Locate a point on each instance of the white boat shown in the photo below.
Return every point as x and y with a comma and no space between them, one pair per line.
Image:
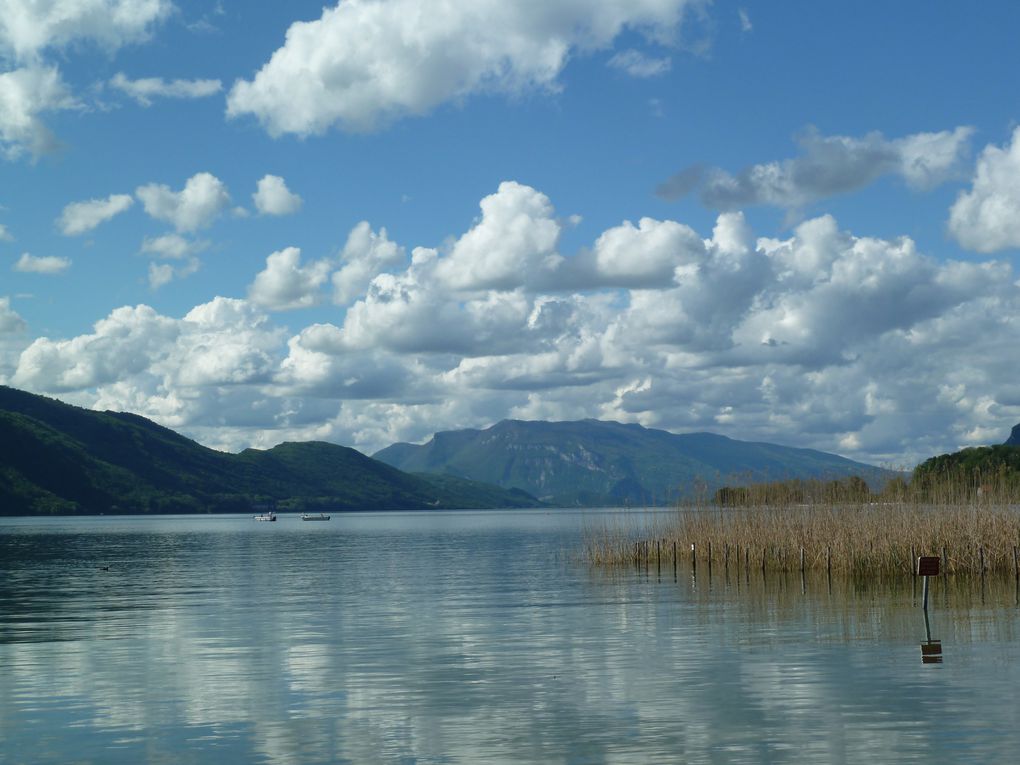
270,516
319,517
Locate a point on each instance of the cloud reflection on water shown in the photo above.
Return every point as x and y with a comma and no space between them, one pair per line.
460,638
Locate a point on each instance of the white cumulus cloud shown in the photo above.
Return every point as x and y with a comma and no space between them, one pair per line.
645,255
987,217
122,344
171,369
202,200
364,63
9,319
28,27
415,311
224,342
146,89
365,255
80,217
47,264
5,235
285,284
312,368
515,240
25,94
272,197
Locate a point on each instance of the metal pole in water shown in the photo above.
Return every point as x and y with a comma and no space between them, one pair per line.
1016,572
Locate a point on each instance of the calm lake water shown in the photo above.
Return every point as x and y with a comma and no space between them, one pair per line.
473,637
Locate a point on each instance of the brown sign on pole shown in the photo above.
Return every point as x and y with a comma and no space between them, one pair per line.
928,565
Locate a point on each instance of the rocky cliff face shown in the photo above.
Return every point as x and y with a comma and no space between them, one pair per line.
1014,437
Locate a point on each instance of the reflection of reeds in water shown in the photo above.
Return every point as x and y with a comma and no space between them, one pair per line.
869,539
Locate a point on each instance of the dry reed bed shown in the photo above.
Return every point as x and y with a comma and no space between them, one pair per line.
881,539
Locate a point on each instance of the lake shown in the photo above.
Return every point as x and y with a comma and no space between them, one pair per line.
468,637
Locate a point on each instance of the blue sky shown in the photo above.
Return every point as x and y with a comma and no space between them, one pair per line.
790,222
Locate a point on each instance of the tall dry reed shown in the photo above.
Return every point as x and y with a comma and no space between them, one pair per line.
875,539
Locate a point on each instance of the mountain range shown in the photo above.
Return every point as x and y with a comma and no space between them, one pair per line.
61,459
591,462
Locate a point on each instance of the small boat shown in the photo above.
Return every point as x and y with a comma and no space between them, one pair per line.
270,516
319,517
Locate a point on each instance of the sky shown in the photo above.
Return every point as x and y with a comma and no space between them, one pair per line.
372,220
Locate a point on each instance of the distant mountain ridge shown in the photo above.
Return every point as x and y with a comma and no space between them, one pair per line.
61,459
592,462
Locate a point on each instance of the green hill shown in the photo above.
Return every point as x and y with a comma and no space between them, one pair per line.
606,463
990,472
61,459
